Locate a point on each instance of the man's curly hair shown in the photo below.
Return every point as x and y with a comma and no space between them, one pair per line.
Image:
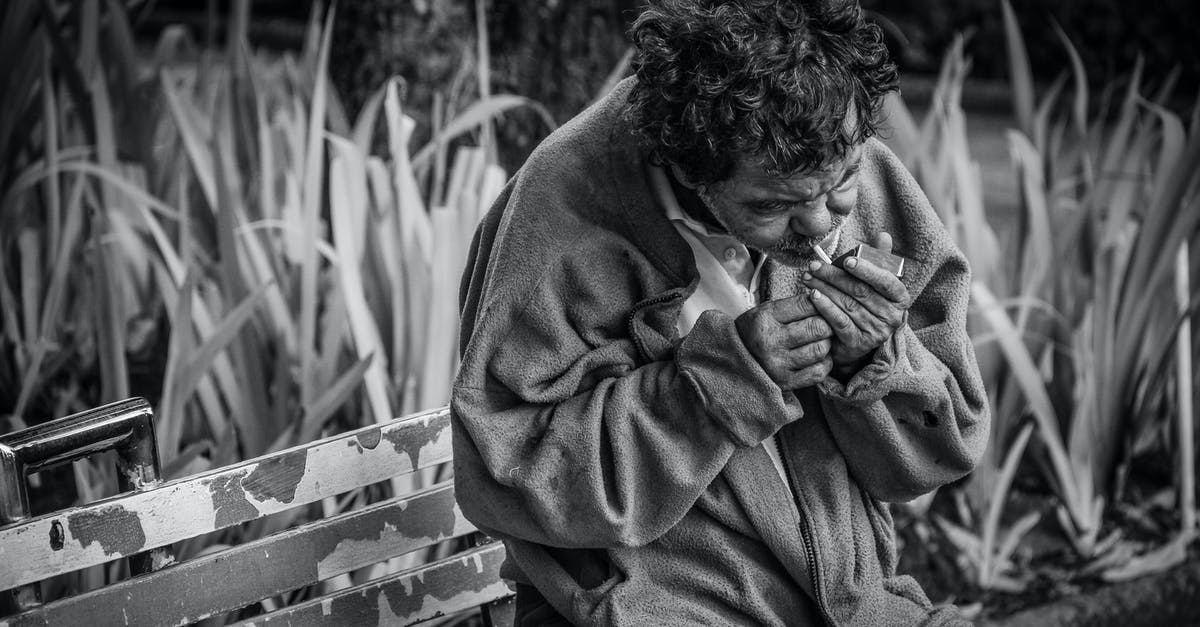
771,78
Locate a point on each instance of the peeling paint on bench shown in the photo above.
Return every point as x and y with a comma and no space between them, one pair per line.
214,584
117,530
232,495
368,440
437,519
277,478
437,589
219,582
414,440
229,502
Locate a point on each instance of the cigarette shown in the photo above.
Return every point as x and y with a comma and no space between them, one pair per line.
821,253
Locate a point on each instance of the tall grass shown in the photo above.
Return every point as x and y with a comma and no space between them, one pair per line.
1077,321
937,150
1119,193
212,221
211,230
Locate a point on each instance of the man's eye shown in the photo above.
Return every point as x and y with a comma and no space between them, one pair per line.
773,208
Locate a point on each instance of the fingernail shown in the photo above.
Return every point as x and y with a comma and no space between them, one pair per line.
806,277
851,263
817,295
814,265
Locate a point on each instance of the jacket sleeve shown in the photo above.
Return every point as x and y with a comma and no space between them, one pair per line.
916,417
565,436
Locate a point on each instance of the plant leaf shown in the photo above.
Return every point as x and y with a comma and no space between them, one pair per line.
311,199
331,399
195,132
1027,376
990,559
475,115
1081,87
199,363
1018,65
1164,557
347,212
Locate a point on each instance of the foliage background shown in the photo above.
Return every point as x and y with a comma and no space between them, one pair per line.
255,221
1108,34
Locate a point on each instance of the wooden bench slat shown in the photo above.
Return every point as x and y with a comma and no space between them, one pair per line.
239,576
80,537
454,584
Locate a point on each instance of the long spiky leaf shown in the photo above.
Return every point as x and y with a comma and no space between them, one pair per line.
1020,73
334,397
313,166
1025,372
202,360
1080,75
348,173
477,114
991,524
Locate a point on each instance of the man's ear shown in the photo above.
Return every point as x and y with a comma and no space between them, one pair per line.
683,179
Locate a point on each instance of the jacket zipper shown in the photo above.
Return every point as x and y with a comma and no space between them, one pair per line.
637,339
661,298
806,533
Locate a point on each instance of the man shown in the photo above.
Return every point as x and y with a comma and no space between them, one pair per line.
670,410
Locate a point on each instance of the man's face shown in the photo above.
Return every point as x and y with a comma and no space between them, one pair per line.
783,216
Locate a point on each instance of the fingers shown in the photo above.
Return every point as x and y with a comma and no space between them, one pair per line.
781,363
809,355
863,290
856,312
768,334
789,309
802,367
862,304
881,281
809,376
811,329
840,322
789,346
883,241
794,354
850,315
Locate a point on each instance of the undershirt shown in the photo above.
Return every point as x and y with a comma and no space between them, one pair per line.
729,277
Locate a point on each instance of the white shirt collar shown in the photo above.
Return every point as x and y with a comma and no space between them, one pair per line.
666,197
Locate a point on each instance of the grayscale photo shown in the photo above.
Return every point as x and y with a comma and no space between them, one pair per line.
523,313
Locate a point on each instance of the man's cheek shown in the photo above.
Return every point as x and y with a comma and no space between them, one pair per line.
761,233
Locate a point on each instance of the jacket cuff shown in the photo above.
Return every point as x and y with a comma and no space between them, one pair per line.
870,383
734,390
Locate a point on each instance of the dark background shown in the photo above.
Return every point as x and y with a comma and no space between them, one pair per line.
559,51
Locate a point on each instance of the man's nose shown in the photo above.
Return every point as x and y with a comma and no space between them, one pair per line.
812,219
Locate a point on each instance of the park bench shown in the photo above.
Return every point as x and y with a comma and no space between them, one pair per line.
142,524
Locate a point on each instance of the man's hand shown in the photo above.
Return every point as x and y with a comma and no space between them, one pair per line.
863,304
789,340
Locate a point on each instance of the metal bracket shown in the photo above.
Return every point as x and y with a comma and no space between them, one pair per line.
126,427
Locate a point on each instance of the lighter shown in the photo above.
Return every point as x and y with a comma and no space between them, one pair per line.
885,260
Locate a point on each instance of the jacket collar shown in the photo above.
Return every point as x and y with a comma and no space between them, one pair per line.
644,222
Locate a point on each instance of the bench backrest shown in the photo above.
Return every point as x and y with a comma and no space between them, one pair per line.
216,583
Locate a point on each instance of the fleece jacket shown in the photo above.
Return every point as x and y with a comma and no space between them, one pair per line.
620,463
